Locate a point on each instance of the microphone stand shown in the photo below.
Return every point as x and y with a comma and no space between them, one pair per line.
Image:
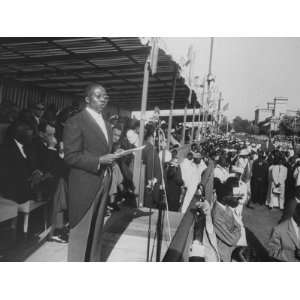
161,203
150,190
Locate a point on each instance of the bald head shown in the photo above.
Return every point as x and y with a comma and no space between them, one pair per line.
91,87
96,97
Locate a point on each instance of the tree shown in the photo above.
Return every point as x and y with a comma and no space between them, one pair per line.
241,125
289,125
223,125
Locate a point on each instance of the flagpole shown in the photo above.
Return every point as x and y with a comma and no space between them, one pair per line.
171,109
199,121
202,107
138,157
209,79
219,112
193,121
227,127
184,123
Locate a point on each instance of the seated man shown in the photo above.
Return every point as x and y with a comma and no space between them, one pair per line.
55,172
19,176
49,160
227,229
284,244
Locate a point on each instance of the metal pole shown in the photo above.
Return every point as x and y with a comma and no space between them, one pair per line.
199,121
202,108
209,79
219,110
227,126
183,128
171,110
193,121
211,55
138,156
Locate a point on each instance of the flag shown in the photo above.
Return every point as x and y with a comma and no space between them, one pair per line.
187,71
225,107
198,88
191,62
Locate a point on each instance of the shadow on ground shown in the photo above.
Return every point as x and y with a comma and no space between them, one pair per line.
259,223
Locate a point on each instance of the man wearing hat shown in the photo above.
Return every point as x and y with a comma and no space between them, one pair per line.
227,229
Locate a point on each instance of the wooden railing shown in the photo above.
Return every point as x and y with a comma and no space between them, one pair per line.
182,240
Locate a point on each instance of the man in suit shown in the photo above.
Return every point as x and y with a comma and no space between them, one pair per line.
259,180
54,188
153,173
284,244
227,229
19,176
174,183
33,116
87,147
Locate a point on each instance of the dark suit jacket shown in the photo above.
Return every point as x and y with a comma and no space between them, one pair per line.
283,242
84,143
151,160
48,160
174,183
15,171
227,230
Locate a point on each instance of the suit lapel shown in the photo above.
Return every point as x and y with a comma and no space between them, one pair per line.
95,127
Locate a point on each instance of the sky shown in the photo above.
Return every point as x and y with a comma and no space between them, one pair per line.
249,71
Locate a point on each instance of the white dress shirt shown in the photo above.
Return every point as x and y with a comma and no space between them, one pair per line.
99,120
37,119
20,146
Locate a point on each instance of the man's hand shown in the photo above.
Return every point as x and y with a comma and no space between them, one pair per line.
119,151
35,178
107,159
205,206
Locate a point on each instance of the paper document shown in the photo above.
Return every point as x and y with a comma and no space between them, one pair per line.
129,151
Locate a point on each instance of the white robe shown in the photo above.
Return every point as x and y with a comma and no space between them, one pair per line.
277,174
191,175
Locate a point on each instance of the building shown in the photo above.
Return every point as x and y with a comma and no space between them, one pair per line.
261,114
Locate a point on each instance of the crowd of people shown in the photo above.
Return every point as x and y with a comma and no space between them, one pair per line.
33,166
46,151
234,173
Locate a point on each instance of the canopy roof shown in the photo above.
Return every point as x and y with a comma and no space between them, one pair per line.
68,65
